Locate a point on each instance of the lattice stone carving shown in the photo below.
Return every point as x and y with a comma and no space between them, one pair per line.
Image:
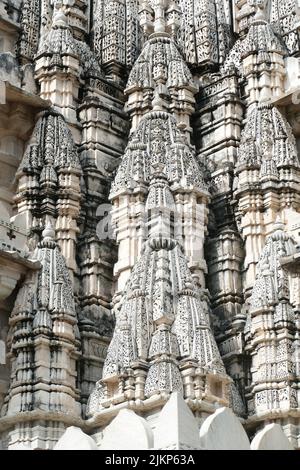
205,33
267,132
30,26
284,16
158,140
117,34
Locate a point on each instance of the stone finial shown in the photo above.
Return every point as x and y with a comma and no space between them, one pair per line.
278,224
59,19
48,232
260,14
159,16
157,102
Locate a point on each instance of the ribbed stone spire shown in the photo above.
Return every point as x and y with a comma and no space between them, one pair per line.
157,140
161,319
272,329
44,316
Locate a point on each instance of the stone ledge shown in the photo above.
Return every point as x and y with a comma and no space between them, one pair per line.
8,25
16,94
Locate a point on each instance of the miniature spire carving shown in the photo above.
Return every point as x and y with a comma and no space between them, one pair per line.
161,71
262,57
43,317
63,58
49,181
272,330
267,148
267,143
259,58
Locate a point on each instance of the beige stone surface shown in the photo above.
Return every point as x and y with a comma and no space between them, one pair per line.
127,431
75,439
176,426
271,437
223,431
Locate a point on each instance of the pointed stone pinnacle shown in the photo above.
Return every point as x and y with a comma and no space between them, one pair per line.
48,232
278,225
223,431
59,19
127,431
260,14
157,102
74,438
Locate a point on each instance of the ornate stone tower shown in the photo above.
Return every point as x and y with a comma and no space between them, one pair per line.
149,222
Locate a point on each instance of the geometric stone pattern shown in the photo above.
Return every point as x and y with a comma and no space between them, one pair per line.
149,224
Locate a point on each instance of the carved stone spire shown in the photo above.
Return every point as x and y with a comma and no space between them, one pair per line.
59,39
263,60
161,70
158,141
63,59
51,169
44,316
267,132
272,330
267,147
162,313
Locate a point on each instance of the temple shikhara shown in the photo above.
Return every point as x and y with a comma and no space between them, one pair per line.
149,224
